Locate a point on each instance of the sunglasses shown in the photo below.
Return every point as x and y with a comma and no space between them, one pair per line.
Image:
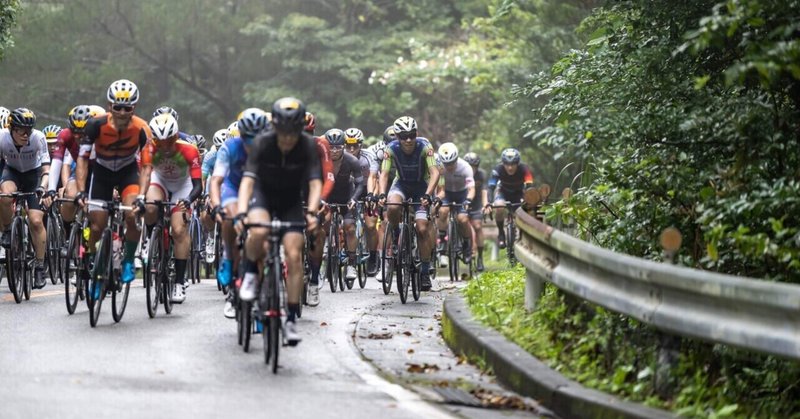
22,130
337,147
122,108
405,136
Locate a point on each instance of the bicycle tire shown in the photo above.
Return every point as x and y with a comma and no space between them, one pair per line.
195,239
511,232
69,266
453,241
15,259
246,308
388,260
168,281
362,254
152,271
331,259
30,258
119,299
416,287
53,247
339,250
402,267
275,319
102,260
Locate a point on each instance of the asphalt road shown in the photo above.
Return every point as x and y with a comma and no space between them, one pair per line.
188,364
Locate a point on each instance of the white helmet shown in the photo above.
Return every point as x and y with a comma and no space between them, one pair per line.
448,153
4,114
123,92
405,124
233,129
219,137
252,121
353,136
164,126
96,111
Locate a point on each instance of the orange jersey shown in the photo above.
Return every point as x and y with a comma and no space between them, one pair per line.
328,180
114,149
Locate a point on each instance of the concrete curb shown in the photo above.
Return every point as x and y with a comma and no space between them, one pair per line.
528,376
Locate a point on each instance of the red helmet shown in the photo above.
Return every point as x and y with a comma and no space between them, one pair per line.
311,123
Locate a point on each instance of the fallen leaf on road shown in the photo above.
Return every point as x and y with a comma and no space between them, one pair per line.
430,329
407,333
422,369
411,351
323,324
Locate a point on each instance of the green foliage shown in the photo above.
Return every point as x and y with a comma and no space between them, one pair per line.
680,125
615,354
8,10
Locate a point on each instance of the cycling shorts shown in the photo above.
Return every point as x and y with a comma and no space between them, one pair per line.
456,197
283,207
170,190
414,192
25,181
104,180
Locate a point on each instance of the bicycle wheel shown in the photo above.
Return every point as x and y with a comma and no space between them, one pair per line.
153,271
332,259
453,242
119,296
388,259
53,246
102,262
168,282
511,232
30,262
403,267
246,324
275,318
415,277
196,245
362,255
15,259
70,272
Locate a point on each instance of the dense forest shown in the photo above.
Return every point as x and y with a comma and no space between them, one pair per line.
668,115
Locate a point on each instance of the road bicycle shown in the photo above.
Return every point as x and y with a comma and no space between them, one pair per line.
20,256
402,255
159,272
454,245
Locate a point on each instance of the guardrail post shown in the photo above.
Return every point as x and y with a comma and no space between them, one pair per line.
668,345
534,287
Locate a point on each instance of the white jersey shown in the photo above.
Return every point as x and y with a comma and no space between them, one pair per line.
459,179
29,157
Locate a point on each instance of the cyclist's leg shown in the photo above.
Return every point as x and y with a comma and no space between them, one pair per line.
315,256
180,234
293,250
371,231
396,195
255,246
68,208
155,192
8,184
229,201
101,187
128,186
350,241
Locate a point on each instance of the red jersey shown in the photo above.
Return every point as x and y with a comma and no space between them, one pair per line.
328,179
176,166
66,141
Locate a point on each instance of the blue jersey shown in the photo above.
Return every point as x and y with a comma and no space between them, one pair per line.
208,162
231,158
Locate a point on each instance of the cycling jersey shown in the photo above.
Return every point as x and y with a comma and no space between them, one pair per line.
412,169
66,149
114,149
374,154
230,161
344,189
31,156
460,179
510,185
208,162
283,174
173,170
326,165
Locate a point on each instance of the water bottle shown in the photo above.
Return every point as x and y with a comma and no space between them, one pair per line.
116,251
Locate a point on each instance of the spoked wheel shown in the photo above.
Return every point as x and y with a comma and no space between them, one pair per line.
55,241
388,259
196,246
70,271
453,242
30,257
97,287
272,332
404,263
332,261
119,296
15,259
415,278
168,284
154,271
511,232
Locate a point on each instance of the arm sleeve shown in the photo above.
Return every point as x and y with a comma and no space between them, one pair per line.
44,155
313,164
208,163
493,183
55,168
197,189
470,181
222,165
193,158
386,165
326,167
358,180
250,166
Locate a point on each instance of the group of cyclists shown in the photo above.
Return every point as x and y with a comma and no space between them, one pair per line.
265,166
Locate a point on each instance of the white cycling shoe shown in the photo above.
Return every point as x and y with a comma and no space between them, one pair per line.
313,295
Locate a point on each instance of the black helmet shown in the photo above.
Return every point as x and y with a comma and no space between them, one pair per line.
472,159
289,114
22,117
78,117
335,136
389,135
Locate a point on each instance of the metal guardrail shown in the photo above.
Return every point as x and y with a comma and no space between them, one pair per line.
744,312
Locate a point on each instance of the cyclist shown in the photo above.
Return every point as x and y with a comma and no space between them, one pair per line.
225,180
283,162
417,178
514,178
205,170
168,110
459,188
475,209
353,140
51,136
171,171
328,182
346,167
27,163
116,139
65,154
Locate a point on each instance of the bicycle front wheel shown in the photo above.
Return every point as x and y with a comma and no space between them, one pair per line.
404,262
54,242
195,239
97,286
15,260
153,271
453,242
70,272
511,233
388,259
